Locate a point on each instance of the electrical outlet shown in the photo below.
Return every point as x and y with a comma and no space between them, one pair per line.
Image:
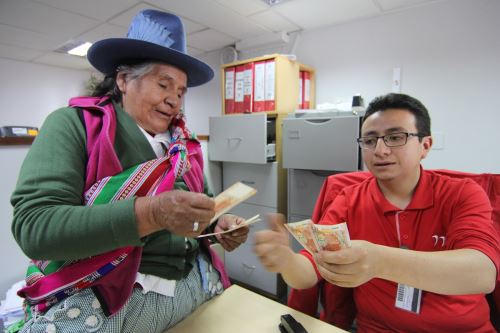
396,80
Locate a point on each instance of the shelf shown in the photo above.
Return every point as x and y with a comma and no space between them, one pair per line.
16,141
286,79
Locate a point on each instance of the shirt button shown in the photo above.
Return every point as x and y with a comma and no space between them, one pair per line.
405,236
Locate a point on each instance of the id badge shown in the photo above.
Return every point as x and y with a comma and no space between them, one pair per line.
408,298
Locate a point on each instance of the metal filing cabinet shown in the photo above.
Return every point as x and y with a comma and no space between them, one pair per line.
250,148
316,145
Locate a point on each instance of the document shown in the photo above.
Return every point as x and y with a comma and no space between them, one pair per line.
248,222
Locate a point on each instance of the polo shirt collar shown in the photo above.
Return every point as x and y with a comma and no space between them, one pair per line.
423,197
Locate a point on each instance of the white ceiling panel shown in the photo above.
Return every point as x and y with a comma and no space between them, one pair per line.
209,40
213,15
103,31
44,19
274,21
27,39
125,18
311,14
194,52
98,9
31,29
18,53
398,4
245,7
63,60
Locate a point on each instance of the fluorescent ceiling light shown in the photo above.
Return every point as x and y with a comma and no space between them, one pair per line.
266,40
80,50
274,2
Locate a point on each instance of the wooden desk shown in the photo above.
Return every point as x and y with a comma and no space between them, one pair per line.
243,311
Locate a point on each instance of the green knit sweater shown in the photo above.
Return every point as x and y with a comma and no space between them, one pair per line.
50,219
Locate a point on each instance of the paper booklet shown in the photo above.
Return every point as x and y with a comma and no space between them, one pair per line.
245,223
316,237
232,196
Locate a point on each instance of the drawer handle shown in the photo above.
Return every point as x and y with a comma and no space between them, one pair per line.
293,134
248,182
235,138
247,268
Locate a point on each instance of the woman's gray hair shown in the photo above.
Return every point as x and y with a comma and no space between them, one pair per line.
108,85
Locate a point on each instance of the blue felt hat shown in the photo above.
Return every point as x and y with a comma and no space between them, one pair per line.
152,35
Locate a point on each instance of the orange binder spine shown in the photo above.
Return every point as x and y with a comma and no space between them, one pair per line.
248,87
301,90
229,74
270,74
259,86
307,90
238,88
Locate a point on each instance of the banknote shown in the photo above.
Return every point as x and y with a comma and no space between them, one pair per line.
332,237
304,234
232,196
316,237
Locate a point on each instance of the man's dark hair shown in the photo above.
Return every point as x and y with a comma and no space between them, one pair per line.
405,102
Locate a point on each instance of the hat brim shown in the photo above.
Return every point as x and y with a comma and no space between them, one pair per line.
105,55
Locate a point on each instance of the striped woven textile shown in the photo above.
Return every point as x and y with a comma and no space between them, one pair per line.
140,180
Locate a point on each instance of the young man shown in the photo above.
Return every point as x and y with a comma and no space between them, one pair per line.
394,219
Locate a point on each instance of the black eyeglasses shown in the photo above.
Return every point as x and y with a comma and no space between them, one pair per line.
391,140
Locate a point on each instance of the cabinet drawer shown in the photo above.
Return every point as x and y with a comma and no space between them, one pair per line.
238,138
321,143
242,264
247,211
262,177
303,190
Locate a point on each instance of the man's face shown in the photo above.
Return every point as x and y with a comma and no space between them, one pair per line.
394,163
154,99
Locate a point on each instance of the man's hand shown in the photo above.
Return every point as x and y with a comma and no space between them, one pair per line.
273,246
231,240
349,267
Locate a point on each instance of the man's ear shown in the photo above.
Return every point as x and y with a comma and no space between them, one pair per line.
427,144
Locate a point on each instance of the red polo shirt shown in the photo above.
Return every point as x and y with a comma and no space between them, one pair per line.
444,214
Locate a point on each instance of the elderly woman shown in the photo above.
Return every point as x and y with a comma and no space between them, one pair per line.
111,196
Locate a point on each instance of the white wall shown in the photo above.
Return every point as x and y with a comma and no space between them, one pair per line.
28,93
204,101
449,54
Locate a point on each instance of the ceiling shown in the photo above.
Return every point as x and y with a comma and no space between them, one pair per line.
30,30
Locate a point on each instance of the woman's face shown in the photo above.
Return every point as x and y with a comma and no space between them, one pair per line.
155,98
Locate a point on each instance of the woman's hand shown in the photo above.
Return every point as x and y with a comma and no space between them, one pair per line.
231,240
176,211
